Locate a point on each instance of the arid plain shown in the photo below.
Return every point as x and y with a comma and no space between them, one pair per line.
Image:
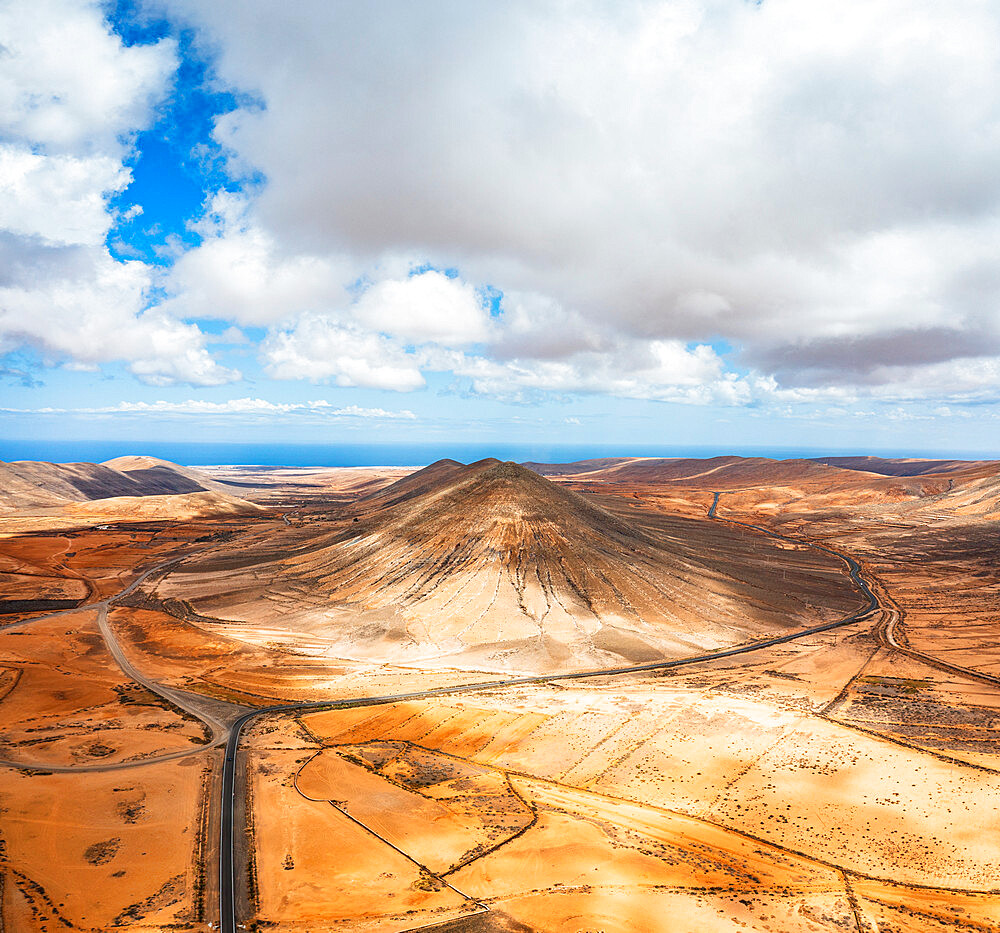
618,695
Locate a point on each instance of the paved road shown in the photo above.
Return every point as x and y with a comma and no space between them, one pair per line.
84,607
227,881
853,566
886,632
179,698
227,854
887,635
187,702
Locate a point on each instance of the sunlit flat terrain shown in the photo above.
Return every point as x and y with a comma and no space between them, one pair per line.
544,698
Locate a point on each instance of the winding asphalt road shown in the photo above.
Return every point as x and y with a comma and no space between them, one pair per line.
227,854
179,698
185,701
886,632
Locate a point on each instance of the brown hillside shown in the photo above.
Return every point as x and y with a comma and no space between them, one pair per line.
122,489
900,466
493,566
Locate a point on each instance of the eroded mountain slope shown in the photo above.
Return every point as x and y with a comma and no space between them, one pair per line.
491,566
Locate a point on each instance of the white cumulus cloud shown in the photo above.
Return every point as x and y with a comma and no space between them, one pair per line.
426,308
95,315
319,349
68,84
665,370
58,198
251,407
71,97
811,185
788,177
239,273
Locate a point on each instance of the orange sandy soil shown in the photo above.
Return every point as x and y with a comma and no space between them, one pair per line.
72,517
693,802
66,701
831,783
935,557
314,866
90,563
119,842
196,657
105,850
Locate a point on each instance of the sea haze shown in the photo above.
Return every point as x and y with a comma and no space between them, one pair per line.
345,455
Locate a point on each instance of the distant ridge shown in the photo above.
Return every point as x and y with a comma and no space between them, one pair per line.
32,484
899,466
970,487
724,471
577,466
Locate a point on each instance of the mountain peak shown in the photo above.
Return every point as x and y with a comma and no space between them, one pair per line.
497,566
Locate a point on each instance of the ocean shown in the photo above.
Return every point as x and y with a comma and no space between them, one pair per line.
342,455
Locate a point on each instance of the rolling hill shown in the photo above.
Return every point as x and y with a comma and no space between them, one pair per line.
127,485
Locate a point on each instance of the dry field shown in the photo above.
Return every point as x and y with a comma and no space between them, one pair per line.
106,849
66,702
844,780
704,798
104,785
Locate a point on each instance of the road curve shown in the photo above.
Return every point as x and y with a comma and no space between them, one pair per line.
179,698
86,607
886,631
854,568
227,879
887,635
227,859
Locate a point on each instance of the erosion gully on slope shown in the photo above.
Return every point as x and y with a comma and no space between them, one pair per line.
232,733
227,861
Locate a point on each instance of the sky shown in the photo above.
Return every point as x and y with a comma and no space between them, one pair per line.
669,222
